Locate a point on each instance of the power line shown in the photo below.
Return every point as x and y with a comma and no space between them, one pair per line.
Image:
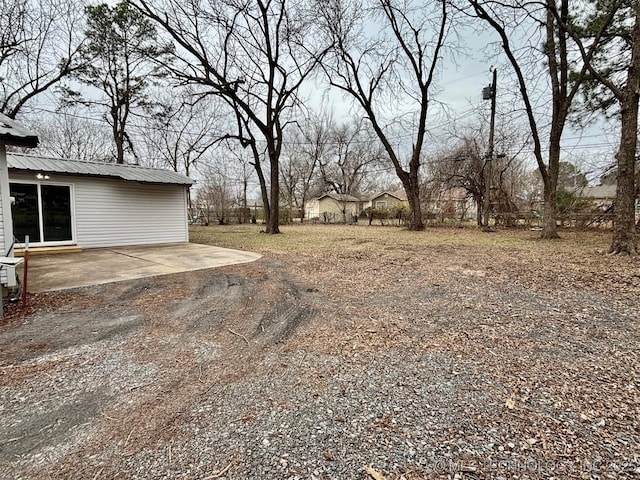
462,116
221,133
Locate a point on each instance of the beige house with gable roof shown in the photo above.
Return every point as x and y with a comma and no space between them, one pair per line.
333,208
388,200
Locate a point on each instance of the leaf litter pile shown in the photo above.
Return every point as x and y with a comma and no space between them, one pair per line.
347,352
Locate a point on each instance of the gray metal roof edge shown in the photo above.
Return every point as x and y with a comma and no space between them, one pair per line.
136,173
12,133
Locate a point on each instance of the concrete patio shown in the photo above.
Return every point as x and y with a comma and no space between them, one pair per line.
105,265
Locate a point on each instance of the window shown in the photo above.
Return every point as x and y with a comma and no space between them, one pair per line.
41,211
381,205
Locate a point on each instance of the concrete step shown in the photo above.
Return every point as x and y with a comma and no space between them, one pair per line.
19,252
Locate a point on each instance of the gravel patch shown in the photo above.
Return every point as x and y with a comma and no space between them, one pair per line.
396,365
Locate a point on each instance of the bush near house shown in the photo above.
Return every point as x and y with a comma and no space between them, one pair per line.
399,212
376,214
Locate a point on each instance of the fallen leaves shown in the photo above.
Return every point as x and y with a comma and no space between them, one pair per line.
328,455
540,341
374,473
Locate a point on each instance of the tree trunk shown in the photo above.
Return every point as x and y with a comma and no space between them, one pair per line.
245,186
416,222
624,227
264,193
118,139
273,223
550,217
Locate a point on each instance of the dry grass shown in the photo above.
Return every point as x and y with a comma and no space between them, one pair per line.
305,238
573,261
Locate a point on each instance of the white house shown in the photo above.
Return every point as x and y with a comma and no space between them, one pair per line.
66,202
10,134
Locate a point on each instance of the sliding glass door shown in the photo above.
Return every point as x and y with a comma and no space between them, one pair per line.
25,211
43,212
56,213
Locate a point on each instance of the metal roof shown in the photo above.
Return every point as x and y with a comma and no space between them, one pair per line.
132,173
13,134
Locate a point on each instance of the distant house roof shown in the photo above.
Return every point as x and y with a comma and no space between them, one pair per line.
340,197
133,173
13,134
600,192
399,194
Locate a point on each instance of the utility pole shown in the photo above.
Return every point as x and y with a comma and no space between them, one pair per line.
489,93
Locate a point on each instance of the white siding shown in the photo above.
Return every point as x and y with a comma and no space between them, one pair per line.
312,209
7,274
3,273
112,213
2,234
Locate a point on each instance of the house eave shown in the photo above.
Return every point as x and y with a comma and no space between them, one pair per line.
15,135
129,173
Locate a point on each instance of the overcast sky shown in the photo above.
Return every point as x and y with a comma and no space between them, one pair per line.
458,95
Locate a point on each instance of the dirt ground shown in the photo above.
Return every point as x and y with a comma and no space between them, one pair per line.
345,352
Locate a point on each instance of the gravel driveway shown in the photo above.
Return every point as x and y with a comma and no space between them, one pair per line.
403,363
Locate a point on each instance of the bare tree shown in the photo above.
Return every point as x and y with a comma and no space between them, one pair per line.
69,134
466,165
554,48
612,29
290,180
215,195
38,48
313,152
182,129
399,67
241,168
252,54
353,150
465,168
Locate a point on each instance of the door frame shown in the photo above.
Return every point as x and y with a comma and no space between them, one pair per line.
72,212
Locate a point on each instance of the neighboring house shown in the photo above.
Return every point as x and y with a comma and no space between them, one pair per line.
90,204
452,203
333,207
388,200
602,195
